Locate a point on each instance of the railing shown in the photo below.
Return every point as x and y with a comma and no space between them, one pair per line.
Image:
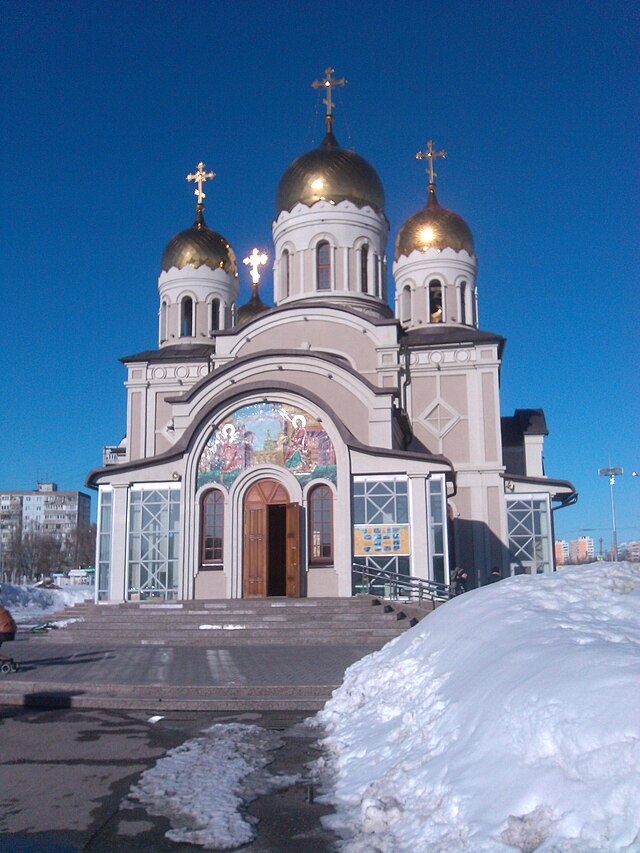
373,581
113,455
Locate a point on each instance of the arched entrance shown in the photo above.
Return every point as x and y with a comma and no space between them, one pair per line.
271,553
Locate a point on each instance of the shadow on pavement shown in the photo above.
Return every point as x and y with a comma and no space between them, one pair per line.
69,660
50,698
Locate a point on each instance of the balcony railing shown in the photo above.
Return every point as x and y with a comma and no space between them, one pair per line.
113,455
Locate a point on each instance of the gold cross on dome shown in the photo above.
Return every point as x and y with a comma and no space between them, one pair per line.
200,177
430,155
328,83
255,260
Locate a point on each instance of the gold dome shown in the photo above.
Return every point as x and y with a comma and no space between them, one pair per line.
434,227
330,173
252,308
199,246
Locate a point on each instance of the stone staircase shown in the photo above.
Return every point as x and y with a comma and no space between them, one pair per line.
272,654
361,621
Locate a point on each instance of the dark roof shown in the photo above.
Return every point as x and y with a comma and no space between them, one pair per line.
522,422
440,334
173,352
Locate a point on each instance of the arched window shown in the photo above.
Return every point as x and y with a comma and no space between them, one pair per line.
463,302
323,266
186,318
214,325
364,268
405,304
320,525
435,302
212,533
286,273
163,321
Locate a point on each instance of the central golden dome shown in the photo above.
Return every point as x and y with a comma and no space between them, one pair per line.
330,173
199,246
434,227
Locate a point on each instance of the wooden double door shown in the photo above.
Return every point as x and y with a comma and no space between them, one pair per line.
271,554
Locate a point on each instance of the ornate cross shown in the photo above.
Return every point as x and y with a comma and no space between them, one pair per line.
328,83
255,260
200,177
430,155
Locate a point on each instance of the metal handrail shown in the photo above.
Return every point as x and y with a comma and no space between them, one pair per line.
422,588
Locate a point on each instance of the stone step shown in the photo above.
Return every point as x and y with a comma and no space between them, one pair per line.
223,638
161,698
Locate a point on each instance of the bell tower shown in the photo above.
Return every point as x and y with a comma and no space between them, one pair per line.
198,284
330,229
435,264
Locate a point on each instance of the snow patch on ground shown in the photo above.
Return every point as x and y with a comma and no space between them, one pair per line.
222,627
32,603
204,786
508,720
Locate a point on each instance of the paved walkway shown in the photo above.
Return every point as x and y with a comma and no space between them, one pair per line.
269,677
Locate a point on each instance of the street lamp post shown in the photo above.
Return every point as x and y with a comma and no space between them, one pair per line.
612,473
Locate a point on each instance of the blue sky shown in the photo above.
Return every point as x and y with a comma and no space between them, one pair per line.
107,106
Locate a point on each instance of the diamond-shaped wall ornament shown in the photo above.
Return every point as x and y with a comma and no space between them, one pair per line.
439,418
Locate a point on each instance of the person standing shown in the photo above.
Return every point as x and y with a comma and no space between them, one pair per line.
8,629
460,579
494,575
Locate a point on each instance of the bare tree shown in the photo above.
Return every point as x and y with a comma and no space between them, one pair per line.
80,547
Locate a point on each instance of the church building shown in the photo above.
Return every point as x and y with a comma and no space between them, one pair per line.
268,450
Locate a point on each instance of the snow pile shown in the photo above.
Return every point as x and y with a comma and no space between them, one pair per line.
203,785
32,603
508,720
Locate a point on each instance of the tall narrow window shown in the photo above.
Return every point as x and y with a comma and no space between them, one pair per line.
163,322
323,265
320,525
463,303
405,304
215,315
376,275
286,273
233,314
186,319
435,302
364,269
212,538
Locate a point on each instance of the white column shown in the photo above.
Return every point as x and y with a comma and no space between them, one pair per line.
418,529
118,575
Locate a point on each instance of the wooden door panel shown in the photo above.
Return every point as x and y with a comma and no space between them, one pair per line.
293,550
255,551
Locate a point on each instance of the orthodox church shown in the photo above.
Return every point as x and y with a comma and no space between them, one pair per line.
268,450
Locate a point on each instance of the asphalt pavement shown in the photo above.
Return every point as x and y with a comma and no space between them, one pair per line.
66,774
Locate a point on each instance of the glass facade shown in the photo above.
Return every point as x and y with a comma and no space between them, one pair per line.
437,511
381,526
529,526
103,545
154,535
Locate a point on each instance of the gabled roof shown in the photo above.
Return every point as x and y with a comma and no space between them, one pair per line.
522,422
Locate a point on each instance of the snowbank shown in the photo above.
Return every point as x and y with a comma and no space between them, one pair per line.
507,720
32,604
